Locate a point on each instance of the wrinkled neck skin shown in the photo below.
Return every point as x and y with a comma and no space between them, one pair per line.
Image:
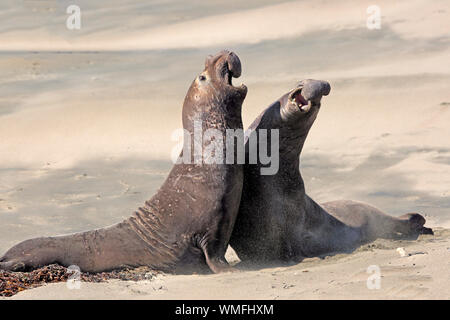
211,191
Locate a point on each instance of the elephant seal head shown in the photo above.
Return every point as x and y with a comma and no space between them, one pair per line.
300,106
212,97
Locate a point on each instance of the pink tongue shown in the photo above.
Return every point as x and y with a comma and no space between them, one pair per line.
300,100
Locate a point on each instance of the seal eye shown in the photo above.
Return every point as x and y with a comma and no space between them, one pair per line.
201,77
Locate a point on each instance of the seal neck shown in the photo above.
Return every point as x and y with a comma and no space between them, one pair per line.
212,114
207,125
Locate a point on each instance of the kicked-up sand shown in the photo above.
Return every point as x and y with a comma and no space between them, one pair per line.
87,116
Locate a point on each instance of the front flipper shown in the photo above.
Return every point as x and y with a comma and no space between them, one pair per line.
218,265
412,224
426,230
214,257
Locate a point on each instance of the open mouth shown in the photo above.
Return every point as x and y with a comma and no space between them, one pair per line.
228,75
295,97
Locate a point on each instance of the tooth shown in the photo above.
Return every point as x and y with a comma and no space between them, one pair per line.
307,107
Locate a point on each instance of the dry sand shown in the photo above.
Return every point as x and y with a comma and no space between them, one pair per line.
422,273
85,137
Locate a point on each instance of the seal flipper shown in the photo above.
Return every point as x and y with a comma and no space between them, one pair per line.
12,266
216,263
426,230
412,225
31,254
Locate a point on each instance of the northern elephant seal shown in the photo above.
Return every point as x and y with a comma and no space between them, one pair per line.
277,220
187,224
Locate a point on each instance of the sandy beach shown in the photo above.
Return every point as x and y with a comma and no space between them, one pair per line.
86,123
421,273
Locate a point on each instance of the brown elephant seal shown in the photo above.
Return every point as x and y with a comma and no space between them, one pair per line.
277,220
187,224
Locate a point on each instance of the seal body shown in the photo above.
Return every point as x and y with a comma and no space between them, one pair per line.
277,220
187,224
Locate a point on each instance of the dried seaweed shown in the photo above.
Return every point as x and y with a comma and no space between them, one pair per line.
14,282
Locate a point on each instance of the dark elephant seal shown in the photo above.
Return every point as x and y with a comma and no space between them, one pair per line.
187,224
277,220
